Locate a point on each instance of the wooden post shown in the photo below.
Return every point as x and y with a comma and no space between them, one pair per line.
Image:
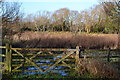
77,53
77,57
108,58
8,58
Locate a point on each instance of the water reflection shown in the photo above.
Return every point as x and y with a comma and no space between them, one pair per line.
45,67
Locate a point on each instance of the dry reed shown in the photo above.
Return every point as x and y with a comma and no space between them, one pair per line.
65,40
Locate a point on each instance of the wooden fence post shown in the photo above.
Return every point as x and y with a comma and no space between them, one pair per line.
77,57
8,57
108,58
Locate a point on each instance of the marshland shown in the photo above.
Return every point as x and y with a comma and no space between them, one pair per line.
85,42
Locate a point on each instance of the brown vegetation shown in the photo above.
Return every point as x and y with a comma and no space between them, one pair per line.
98,68
65,40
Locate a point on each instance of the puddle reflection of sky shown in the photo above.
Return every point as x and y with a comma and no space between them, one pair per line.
45,67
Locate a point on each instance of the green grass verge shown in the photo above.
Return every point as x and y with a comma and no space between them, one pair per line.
20,76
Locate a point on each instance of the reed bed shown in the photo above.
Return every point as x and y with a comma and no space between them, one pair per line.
65,40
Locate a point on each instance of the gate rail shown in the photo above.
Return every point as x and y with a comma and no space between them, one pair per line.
9,53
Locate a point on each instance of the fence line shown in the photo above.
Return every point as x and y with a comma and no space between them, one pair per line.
27,58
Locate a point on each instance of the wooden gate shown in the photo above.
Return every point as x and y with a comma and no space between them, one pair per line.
19,59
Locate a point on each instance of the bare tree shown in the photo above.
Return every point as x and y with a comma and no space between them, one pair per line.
28,23
86,18
11,16
42,20
75,21
62,16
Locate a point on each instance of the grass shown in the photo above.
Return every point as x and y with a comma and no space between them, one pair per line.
5,41
72,75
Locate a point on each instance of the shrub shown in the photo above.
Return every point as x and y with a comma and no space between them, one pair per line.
98,68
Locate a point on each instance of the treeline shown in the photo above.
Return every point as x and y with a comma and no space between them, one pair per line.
102,18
